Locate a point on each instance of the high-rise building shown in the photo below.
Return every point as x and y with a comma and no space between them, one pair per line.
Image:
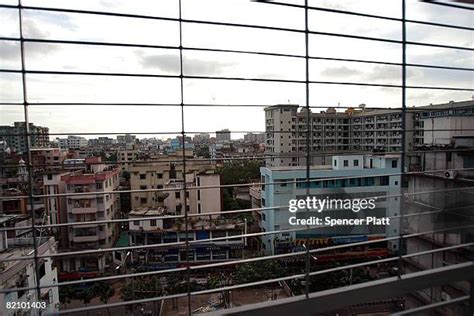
158,174
15,136
223,135
359,130
257,138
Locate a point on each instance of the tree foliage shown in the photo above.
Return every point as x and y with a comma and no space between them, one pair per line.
258,271
236,172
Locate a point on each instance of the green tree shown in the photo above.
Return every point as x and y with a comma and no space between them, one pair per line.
240,171
257,271
104,291
66,294
86,296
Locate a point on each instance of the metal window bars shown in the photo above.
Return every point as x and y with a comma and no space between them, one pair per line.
182,105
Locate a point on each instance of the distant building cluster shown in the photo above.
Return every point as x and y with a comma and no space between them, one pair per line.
14,136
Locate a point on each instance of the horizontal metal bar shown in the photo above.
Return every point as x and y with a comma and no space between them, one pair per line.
251,210
230,186
271,257
298,131
121,220
234,51
365,15
144,75
466,269
433,306
328,300
451,5
314,8
197,161
225,186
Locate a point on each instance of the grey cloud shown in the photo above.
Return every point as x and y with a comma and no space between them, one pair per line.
342,71
383,73
33,30
168,62
192,66
9,51
56,18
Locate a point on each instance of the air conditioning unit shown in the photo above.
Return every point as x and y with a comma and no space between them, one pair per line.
448,174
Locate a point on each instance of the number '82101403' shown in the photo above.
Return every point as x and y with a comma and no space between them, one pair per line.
25,305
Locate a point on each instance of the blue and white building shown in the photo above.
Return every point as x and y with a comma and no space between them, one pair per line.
348,177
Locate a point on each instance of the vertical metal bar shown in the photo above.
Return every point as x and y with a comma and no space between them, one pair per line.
183,143
308,134
403,184
28,150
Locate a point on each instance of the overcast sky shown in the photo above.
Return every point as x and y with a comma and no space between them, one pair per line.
112,119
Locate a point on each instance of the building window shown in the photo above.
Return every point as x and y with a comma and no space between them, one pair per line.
143,200
159,175
335,163
199,195
199,208
98,186
346,163
356,163
394,163
50,177
177,195
143,187
142,176
136,223
153,222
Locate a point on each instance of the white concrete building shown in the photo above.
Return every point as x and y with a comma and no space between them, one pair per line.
72,142
22,273
90,207
349,177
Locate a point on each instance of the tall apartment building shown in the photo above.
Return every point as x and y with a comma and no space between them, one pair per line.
359,130
15,136
126,157
47,158
55,206
157,174
199,199
223,136
367,177
96,177
126,139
